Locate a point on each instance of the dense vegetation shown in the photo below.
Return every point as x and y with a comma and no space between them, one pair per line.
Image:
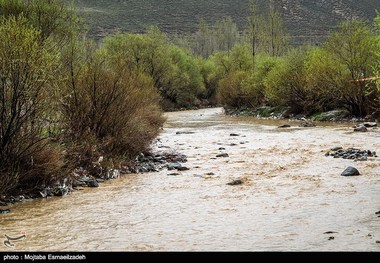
66,101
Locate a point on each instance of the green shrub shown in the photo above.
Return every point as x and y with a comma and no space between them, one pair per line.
108,110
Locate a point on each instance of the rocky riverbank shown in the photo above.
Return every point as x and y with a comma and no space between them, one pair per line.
146,162
266,112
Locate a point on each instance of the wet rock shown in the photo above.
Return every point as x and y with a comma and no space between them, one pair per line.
113,174
351,154
173,174
223,155
306,123
336,148
173,166
18,198
284,126
370,124
330,232
184,132
350,171
361,129
77,183
61,191
5,211
361,158
234,135
92,183
183,168
84,179
235,182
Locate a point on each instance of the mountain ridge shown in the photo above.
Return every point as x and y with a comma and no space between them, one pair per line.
304,19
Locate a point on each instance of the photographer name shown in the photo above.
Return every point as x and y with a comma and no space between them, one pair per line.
33,257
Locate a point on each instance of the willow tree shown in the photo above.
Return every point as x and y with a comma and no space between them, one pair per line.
53,18
28,70
354,45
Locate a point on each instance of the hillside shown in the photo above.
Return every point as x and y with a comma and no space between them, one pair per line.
304,19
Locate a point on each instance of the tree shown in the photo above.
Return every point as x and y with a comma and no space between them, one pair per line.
53,18
253,28
28,70
273,37
285,83
109,110
227,34
354,45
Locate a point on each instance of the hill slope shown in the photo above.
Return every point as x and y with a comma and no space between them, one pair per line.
304,19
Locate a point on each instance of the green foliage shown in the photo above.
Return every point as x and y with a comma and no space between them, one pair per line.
174,71
51,17
354,45
230,92
28,71
115,108
253,86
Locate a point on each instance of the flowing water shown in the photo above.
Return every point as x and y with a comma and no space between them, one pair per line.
292,195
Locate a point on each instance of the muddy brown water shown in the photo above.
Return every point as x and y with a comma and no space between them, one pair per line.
293,197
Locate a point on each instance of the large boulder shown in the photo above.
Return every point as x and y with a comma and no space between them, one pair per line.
350,171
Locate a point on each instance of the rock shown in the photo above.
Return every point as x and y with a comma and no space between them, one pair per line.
183,168
336,148
184,132
113,174
234,135
377,213
5,211
233,144
211,173
3,203
306,124
92,183
173,174
361,129
370,124
222,155
330,232
377,241
173,166
235,182
284,126
222,149
331,238
61,191
350,171
361,158
19,198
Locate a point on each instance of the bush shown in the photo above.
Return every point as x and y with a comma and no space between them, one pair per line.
108,111
230,92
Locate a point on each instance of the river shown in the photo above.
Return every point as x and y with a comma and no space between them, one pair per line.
293,197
